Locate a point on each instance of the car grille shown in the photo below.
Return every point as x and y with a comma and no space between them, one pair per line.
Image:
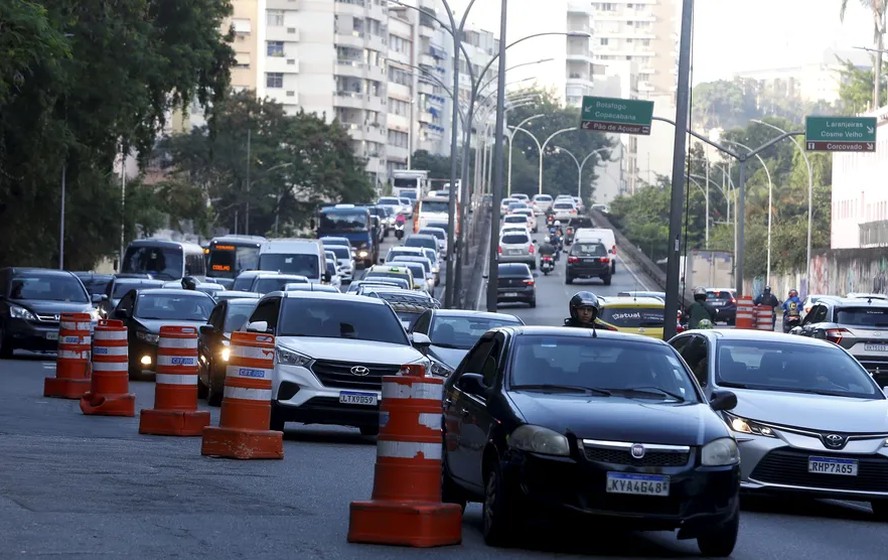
873,365
624,457
339,375
49,319
790,467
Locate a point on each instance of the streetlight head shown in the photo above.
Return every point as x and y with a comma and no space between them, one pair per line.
583,34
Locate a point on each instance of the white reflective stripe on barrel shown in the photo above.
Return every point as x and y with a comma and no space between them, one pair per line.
408,450
176,361
76,325
391,390
175,379
73,355
252,352
247,394
109,335
167,342
431,420
109,350
110,366
244,372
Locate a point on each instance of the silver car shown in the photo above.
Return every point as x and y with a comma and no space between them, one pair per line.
517,248
809,419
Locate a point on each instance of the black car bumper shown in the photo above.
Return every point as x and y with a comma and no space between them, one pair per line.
516,294
599,270
727,313
30,335
699,497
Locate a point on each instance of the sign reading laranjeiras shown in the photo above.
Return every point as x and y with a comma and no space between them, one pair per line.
840,134
619,116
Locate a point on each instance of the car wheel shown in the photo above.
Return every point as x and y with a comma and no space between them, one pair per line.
606,280
568,280
497,513
6,348
369,430
880,509
532,303
719,541
277,421
214,394
614,267
202,389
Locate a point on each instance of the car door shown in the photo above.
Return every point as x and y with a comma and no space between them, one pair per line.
697,355
211,333
817,315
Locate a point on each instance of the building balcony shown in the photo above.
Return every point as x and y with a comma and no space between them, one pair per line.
350,99
352,68
281,64
354,39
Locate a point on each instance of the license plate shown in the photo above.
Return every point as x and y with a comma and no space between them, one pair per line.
832,465
638,484
717,303
511,294
366,399
875,347
515,251
54,335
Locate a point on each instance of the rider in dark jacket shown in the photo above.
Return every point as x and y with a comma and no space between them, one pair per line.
584,309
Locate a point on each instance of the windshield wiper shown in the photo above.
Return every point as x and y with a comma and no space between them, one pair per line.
555,387
650,391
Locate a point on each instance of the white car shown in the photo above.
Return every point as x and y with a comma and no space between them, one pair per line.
541,203
332,351
515,220
439,233
422,273
333,271
346,259
531,217
564,209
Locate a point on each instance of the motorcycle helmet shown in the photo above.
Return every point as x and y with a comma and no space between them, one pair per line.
699,293
704,324
189,283
557,223
584,299
793,293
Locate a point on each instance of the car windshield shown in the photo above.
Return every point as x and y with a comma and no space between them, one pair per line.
121,288
274,283
872,317
436,233
341,220
301,264
182,307
631,317
48,288
237,314
340,318
563,206
340,251
515,239
600,365
464,332
165,263
588,250
435,206
414,241
793,368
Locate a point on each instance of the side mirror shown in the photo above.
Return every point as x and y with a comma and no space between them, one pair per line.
119,314
258,326
796,330
326,277
98,298
208,330
723,400
472,383
420,340
381,260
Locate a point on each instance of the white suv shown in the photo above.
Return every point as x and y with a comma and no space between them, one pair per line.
331,352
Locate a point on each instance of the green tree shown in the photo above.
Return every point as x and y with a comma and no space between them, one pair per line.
437,166
856,88
877,9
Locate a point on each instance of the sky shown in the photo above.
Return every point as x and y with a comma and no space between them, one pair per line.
733,36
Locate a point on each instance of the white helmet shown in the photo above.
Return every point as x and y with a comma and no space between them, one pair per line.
557,223
699,291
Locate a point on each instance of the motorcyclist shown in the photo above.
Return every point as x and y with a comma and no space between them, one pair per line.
700,314
792,309
189,283
584,309
547,249
767,298
400,219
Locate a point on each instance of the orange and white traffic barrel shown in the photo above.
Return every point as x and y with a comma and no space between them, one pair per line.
764,318
246,403
745,313
109,389
406,508
72,362
175,410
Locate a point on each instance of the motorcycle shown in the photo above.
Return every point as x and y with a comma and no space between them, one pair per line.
399,231
790,322
547,264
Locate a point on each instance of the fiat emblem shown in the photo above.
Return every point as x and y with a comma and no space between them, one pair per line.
360,371
637,451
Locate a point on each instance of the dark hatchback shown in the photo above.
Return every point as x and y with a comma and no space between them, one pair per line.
31,303
213,345
541,420
588,260
725,303
515,283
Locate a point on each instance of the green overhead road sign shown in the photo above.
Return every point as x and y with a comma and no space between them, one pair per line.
840,134
620,116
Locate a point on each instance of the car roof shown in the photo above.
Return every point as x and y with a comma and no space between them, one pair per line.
171,291
513,267
574,332
760,336
629,300
423,236
41,271
477,314
329,296
386,268
857,301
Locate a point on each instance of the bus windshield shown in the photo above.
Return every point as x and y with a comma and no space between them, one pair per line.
227,261
355,219
164,263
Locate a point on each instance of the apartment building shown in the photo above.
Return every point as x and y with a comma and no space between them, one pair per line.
579,59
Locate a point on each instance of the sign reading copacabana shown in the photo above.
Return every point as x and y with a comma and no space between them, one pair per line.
619,116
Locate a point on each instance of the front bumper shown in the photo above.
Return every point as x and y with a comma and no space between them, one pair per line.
699,497
35,336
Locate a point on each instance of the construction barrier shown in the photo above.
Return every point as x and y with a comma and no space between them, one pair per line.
246,403
175,392
72,362
406,507
764,318
109,388
745,313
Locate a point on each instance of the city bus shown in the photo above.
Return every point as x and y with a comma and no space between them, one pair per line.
164,259
229,255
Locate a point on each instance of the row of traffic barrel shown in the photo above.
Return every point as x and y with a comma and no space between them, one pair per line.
405,507
751,316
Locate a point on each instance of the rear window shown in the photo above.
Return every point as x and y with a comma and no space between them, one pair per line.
588,250
387,201
438,234
520,270
633,316
515,239
563,205
543,198
862,316
718,294
414,241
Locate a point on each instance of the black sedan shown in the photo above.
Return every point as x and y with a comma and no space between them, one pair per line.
515,283
228,316
145,311
610,425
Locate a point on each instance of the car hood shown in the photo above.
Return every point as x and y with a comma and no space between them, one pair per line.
816,412
450,356
621,419
153,325
339,350
53,307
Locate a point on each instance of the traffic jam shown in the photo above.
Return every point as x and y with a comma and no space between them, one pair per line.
595,417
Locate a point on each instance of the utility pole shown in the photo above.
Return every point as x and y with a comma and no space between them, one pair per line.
62,219
247,209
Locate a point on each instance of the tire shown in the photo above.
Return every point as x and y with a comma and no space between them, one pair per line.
880,509
719,541
532,303
6,348
614,267
277,419
606,280
369,430
532,265
215,394
545,273
568,280
498,514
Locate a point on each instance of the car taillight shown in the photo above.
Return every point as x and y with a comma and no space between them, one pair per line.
531,249
573,259
528,282
500,249
733,300
835,335
604,260
614,249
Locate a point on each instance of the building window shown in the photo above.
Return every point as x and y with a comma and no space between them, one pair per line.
274,18
274,48
274,80
242,60
604,41
241,26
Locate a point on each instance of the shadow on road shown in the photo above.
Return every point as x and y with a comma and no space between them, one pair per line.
807,507
332,435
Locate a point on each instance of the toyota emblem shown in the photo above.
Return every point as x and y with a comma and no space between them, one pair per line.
834,441
360,371
637,451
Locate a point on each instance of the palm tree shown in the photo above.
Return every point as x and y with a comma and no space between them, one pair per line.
877,8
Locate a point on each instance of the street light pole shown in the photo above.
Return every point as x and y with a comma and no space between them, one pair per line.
580,165
770,202
511,135
497,192
247,209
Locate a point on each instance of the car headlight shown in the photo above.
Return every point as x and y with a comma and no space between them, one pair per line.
744,426
720,453
18,312
95,314
537,439
225,354
148,337
363,254
440,369
291,358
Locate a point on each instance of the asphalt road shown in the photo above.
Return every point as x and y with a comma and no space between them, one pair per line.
75,486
